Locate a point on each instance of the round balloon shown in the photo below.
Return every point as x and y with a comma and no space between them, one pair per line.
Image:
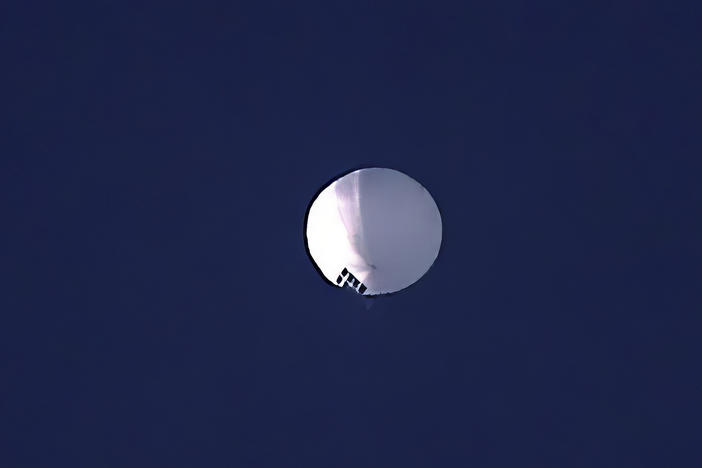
376,230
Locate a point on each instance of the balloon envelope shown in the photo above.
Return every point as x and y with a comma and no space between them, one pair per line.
375,229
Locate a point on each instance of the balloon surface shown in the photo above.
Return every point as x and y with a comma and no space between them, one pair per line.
376,230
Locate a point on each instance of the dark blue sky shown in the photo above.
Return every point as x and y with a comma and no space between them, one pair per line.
158,307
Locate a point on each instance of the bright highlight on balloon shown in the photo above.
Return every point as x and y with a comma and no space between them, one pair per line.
376,230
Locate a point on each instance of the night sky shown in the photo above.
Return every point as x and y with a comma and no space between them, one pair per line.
157,305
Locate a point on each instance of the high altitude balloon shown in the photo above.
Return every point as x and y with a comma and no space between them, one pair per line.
376,230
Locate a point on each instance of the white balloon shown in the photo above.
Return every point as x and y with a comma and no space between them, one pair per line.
375,229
